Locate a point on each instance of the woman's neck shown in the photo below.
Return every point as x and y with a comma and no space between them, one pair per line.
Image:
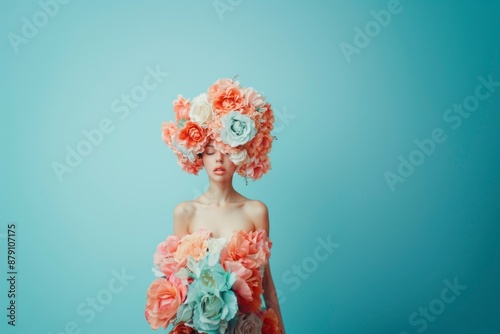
220,193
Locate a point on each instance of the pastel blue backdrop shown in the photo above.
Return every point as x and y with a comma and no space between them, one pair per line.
412,230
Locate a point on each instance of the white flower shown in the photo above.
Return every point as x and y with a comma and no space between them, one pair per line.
238,129
239,158
187,153
215,246
157,272
201,110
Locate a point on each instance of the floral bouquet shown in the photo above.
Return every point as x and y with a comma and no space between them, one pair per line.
238,119
205,285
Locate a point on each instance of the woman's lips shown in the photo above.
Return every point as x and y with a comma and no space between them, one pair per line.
219,171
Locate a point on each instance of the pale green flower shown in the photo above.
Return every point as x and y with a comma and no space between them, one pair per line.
210,303
238,129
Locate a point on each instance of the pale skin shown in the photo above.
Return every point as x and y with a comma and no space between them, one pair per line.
222,210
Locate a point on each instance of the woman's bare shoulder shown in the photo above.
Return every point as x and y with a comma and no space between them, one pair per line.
255,206
183,213
258,213
184,209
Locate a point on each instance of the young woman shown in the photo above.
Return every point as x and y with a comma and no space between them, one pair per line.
226,131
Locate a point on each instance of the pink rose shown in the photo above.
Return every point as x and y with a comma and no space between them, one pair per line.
181,108
261,250
168,129
168,266
240,286
256,167
165,248
191,167
163,300
254,99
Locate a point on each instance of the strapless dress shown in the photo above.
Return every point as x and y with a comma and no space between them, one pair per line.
211,285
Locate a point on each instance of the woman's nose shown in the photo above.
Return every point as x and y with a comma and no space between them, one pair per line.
219,157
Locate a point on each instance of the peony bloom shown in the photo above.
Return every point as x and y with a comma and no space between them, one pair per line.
261,246
248,286
267,119
260,145
191,167
255,99
252,249
236,249
237,129
181,108
257,167
167,267
163,299
163,260
165,248
240,286
201,110
219,86
194,245
270,323
247,324
226,95
168,130
255,285
227,100
193,137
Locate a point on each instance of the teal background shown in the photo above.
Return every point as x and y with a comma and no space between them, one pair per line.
347,124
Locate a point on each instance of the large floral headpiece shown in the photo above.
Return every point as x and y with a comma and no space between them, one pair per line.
238,119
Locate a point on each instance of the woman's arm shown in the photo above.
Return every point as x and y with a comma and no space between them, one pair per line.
270,295
260,216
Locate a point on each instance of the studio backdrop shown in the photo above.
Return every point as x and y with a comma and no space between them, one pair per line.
384,187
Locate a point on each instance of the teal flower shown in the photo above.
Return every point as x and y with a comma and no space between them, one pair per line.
210,303
238,129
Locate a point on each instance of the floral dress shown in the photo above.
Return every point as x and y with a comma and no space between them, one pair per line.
211,285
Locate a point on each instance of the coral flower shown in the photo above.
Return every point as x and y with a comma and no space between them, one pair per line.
193,137
181,108
163,299
270,324
228,100
194,245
